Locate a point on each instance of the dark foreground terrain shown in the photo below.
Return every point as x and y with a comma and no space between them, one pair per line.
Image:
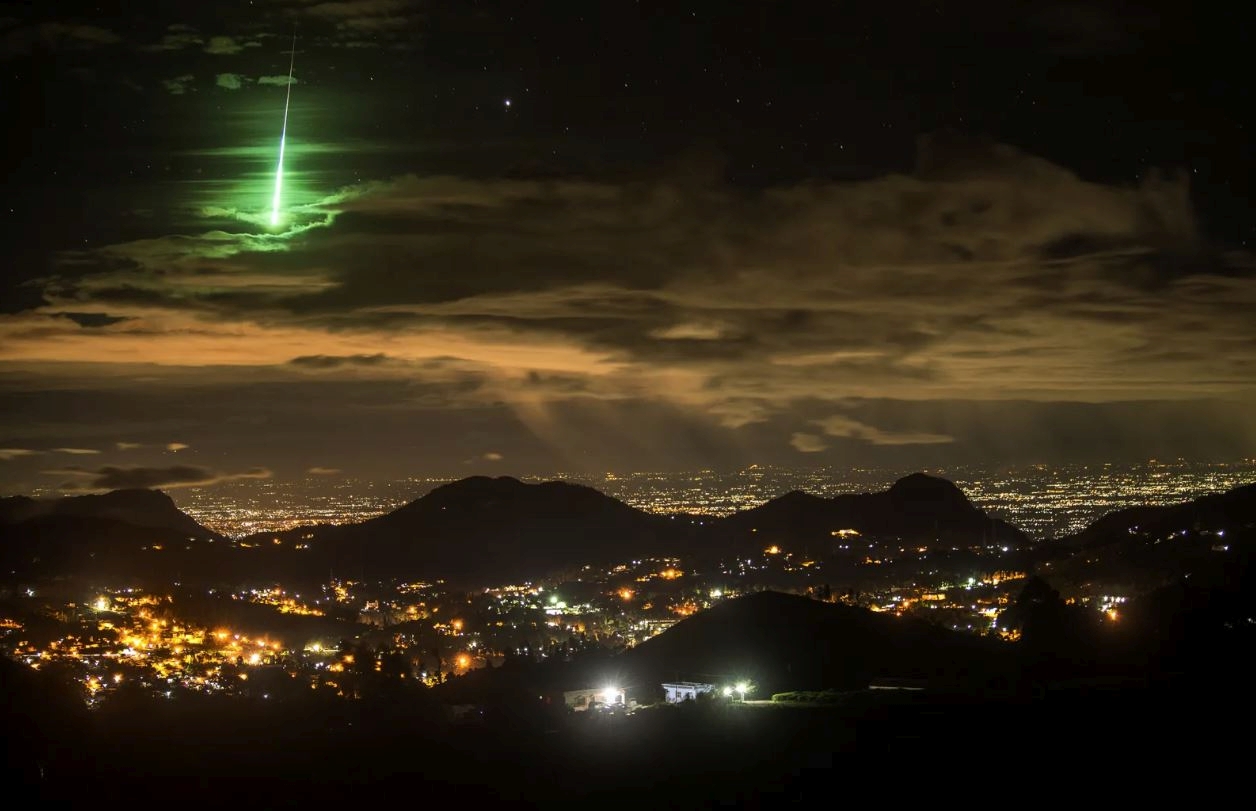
406,750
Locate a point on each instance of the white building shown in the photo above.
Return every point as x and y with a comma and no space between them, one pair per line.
678,691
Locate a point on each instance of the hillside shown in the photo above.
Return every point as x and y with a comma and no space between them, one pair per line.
787,642
1139,549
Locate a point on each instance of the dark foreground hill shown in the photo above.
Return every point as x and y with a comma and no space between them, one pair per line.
787,642
777,641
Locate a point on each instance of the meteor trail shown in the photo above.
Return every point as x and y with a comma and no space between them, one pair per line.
283,136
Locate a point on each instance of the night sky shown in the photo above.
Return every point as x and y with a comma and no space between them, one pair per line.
523,238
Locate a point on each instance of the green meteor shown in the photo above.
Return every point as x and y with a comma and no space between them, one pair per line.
283,137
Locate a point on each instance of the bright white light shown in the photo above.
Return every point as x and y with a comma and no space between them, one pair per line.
611,695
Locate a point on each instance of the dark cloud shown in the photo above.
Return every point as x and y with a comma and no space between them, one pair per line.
120,478
222,45
330,362
54,36
179,85
91,319
368,24
177,38
1087,29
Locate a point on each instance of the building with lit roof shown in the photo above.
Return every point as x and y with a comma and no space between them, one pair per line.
678,691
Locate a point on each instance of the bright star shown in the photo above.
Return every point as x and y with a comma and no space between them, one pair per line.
507,102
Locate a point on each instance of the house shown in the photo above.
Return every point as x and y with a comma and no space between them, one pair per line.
678,691
602,697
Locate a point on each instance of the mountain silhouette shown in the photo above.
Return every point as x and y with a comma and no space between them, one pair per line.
112,536
486,530
1139,549
483,531
141,508
920,509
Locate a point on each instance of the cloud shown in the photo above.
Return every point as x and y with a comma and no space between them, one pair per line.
9,454
808,443
228,45
128,446
231,81
336,362
359,9
281,81
492,456
845,427
323,471
984,274
76,451
120,478
54,36
371,23
179,85
176,38
175,447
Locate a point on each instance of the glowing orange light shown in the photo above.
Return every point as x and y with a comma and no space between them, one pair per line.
464,661
626,594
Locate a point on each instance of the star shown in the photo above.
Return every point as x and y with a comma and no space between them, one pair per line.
507,102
